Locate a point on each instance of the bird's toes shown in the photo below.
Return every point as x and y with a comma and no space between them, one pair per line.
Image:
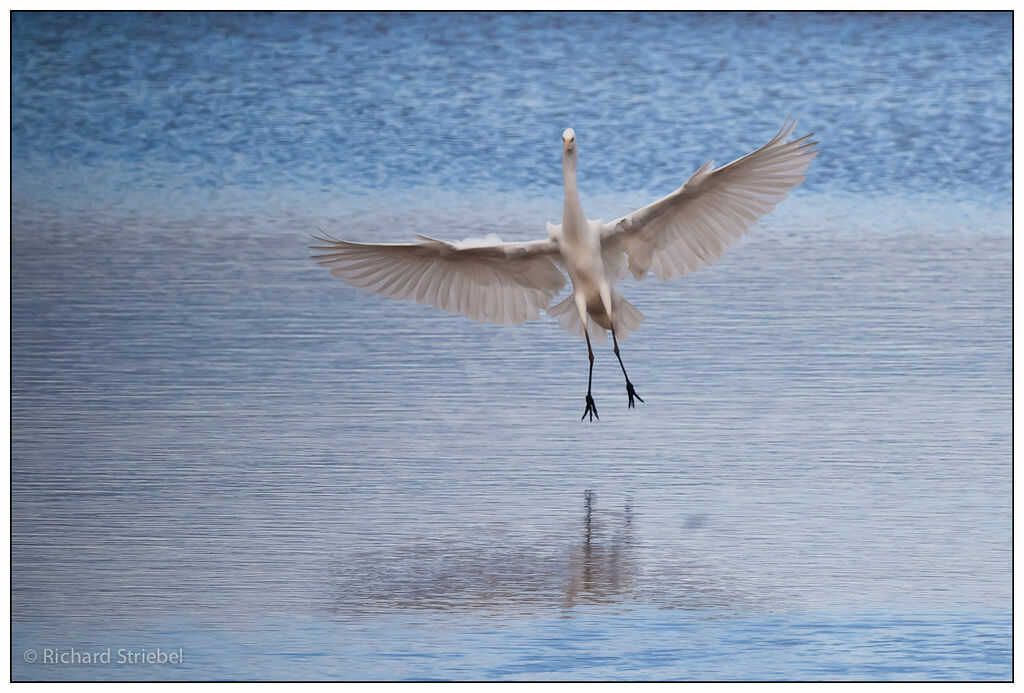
632,394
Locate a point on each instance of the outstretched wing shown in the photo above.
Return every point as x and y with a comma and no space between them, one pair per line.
486,280
692,227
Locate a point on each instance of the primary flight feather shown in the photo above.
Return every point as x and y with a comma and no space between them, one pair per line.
489,279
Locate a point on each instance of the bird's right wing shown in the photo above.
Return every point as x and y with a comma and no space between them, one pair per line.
486,280
692,227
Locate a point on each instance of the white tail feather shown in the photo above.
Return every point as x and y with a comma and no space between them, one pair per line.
626,316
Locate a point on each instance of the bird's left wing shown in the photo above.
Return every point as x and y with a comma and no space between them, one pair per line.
486,280
692,227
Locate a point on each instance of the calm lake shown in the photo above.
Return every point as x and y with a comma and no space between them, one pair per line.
221,450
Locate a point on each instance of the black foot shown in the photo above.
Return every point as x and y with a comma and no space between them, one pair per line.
591,409
632,393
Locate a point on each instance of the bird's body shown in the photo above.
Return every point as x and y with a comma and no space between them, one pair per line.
511,282
579,243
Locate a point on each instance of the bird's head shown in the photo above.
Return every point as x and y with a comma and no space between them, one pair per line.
568,141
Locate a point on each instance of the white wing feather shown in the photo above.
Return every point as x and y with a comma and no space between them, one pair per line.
692,227
486,280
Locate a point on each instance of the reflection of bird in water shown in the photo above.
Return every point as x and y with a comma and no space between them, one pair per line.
565,563
594,564
602,568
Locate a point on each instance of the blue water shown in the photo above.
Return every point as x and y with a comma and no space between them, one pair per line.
218,447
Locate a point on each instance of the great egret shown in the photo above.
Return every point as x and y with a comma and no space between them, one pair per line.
488,279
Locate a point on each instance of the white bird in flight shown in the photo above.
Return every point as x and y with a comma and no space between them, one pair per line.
488,279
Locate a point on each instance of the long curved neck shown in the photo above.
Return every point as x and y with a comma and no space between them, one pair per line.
573,220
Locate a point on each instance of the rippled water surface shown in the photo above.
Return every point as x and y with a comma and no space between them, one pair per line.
218,447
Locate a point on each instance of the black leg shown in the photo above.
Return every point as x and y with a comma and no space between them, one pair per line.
591,407
629,386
